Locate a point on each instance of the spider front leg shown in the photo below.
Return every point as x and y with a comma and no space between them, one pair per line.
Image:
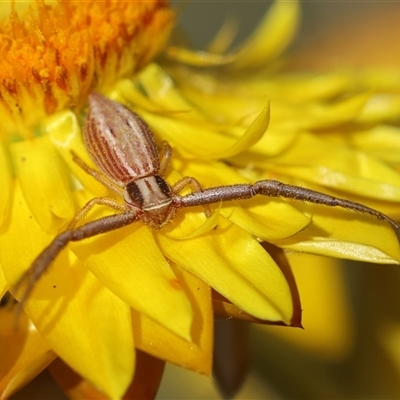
194,184
49,254
273,188
101,201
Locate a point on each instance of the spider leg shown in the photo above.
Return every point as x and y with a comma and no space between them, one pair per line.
165,158
102,201
196,188
273,188
97,175
47,256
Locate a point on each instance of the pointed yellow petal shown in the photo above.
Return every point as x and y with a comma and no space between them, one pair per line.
198,58
224,37
154,339
255,265
129,263
207,257
271,37
44,182
225,309
252,135
24,353
6,184
272,144
209,224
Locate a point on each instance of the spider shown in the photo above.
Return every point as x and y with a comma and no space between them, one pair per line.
124,150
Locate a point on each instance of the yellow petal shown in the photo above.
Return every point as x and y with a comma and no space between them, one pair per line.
154,339
66,305
367,186
67,302
24,353
224,37
224,308
130,264
381,141
218,103
317,115
20,228
272,36
209,224
381,107
252,135
198,58
3,283
214,265
6,184
273,143
301,89
338,167
340,233
161,90
65,134
265,218
248,258
196,139
125,90
270,221
44,182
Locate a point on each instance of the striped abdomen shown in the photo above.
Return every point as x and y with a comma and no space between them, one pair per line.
119,141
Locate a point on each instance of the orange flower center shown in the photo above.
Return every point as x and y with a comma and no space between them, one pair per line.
51,56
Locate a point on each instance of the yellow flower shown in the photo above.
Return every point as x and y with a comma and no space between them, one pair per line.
150,293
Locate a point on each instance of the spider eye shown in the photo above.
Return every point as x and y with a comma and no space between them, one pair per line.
133,194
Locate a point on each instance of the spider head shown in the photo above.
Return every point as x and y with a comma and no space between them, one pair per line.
153,196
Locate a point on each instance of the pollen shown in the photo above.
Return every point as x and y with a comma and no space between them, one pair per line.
52,55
